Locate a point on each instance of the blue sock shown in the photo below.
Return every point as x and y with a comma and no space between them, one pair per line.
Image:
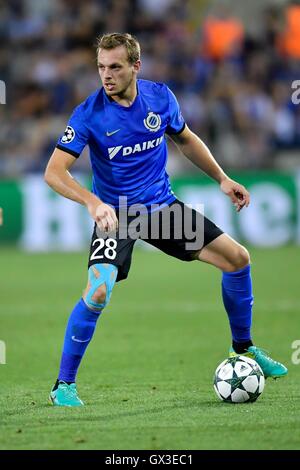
238,301
79,332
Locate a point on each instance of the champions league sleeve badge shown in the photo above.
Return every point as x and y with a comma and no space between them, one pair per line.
68,135
152,122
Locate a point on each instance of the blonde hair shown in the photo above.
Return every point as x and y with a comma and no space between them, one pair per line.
113,40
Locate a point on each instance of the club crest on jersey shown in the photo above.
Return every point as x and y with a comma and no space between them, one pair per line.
68,135
152,122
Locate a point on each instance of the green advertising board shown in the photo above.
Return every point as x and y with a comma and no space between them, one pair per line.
37,219
272,218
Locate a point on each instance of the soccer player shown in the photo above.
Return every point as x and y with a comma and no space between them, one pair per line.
124,124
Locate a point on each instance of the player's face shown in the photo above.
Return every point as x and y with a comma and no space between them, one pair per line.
116,73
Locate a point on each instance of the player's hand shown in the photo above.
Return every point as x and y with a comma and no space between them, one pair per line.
238,194
104,216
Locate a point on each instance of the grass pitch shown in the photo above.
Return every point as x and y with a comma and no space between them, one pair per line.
147,376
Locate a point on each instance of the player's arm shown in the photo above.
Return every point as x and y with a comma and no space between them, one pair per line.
58,177
196,151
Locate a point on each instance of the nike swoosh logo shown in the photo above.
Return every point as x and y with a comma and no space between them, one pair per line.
80,340
111,133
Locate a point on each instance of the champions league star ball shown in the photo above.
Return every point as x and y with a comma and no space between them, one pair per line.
239,379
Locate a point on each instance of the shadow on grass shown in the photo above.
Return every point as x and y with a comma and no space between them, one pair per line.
89,412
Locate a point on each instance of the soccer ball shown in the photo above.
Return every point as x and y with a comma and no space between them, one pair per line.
239,379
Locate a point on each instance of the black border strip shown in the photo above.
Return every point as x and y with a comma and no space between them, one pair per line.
146,458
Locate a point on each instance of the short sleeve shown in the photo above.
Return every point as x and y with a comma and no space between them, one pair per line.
177,123
76,135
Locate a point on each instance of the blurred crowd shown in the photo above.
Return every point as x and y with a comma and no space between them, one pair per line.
234,89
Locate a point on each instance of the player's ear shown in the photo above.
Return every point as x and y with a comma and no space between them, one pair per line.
137,66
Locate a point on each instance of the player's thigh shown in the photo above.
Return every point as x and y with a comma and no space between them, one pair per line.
225,253
111,250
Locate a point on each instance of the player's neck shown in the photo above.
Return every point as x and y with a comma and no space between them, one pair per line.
127,97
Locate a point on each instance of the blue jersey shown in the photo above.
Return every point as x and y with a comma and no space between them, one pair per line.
127,145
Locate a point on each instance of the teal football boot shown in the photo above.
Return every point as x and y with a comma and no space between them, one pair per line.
269,367
65,395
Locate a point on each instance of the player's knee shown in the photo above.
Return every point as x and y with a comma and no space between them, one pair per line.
101,281
241,258
99,296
